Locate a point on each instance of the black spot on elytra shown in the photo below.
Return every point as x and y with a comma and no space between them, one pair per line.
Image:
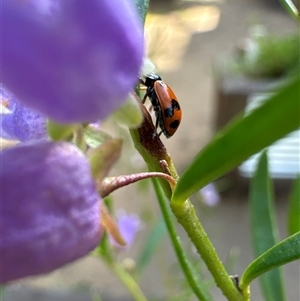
174,124
175,104
169,112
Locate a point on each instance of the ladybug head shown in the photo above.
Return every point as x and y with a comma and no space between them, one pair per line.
150,79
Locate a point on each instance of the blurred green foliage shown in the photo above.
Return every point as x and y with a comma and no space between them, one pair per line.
269,56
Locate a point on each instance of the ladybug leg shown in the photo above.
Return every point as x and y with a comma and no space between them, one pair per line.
157,122
147,94
150,108
144,98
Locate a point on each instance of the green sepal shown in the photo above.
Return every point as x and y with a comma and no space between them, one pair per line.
59,131
103,157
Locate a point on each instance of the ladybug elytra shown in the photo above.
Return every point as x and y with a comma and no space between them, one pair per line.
165,104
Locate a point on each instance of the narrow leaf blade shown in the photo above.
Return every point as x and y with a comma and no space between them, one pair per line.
154,238
242,138
294,208
282,253
263,228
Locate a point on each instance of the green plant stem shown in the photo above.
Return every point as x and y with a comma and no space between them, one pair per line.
290,7
153,151
126,279
104,251
195,283
187,217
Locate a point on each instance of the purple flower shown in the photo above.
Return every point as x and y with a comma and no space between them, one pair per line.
73,61
129,225
50,211
20,123
210,195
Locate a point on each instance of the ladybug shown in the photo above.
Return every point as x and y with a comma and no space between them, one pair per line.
165,104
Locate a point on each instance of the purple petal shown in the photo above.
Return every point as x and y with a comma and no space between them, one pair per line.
129,225
26,124
7,98
74,61
49,208
6,133
21,123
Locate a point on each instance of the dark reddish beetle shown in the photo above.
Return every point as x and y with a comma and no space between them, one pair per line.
165,104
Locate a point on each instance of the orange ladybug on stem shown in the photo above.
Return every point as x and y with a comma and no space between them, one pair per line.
165,104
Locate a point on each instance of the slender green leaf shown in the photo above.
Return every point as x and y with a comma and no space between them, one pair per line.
282,253
291,8
294,208
264,229
154,238
240,139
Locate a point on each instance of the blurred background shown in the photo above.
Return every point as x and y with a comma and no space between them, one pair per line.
207,51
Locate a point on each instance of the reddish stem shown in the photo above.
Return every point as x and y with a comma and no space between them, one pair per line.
109,184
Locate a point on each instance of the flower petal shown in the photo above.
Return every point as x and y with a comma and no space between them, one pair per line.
74,61
129,225
49,208
210,195
23,124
